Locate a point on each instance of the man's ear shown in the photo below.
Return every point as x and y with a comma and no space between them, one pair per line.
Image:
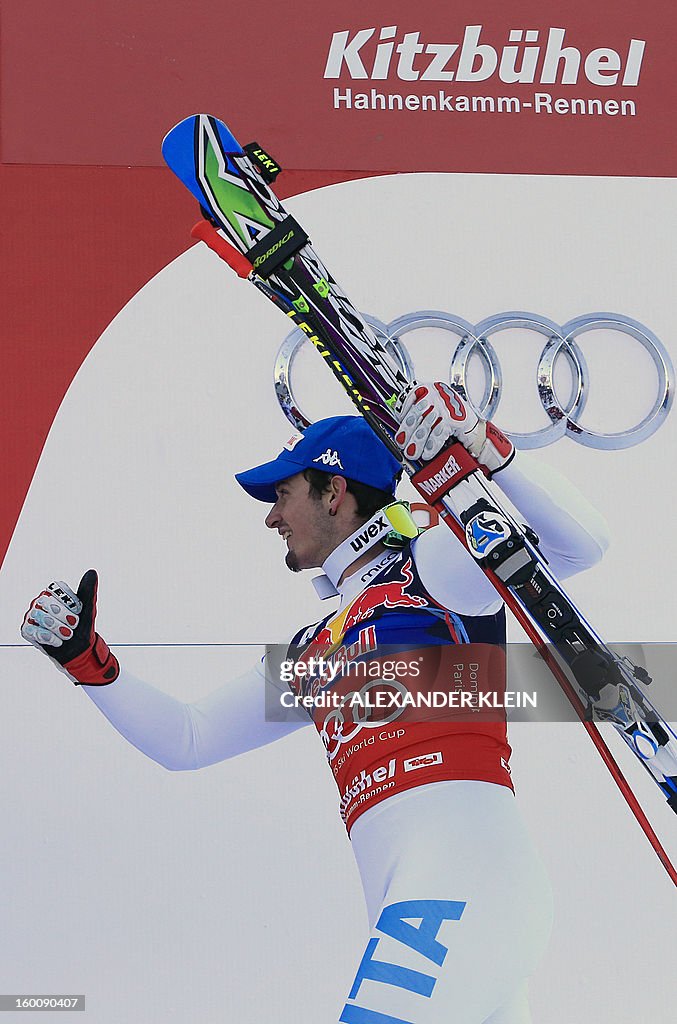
338,492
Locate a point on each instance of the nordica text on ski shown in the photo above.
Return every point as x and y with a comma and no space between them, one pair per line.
527,56
278,245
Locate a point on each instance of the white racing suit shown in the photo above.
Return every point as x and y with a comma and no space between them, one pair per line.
458,902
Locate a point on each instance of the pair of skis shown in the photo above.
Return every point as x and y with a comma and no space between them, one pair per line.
247,226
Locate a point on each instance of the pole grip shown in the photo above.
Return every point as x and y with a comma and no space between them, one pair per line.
207,233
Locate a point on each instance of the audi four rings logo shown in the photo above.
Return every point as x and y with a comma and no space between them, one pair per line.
475,340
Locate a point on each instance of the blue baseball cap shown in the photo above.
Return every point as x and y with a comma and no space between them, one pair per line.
340,445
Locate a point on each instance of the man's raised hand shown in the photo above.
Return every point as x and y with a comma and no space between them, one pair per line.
61,624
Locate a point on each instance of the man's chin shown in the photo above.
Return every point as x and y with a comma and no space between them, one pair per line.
292,562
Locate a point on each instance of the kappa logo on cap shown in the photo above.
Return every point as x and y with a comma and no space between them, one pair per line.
330,458
292,442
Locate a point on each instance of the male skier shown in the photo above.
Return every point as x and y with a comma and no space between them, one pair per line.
458,902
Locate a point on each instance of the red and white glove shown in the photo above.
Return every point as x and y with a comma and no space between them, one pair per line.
61,624
431,414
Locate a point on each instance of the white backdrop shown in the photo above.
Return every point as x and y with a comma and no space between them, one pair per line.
231,892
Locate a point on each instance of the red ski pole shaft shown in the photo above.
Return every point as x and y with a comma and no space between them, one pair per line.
571,695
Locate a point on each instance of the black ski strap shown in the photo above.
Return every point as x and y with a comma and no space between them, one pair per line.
277,246
264,163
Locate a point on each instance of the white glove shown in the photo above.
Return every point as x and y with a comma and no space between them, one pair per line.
431,414
61,625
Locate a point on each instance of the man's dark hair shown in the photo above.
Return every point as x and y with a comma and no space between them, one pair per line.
369,499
